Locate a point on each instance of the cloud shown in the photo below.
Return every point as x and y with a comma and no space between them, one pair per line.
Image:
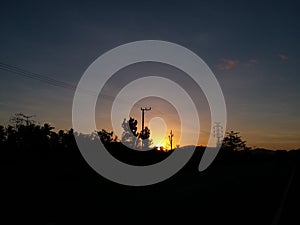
283,57
250,62
227,64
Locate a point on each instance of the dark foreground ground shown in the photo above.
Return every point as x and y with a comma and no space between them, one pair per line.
254,187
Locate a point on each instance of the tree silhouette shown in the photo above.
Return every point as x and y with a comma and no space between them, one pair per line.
21,119
132,138
130,134
232,141
133,126
61,135
11,136
144,136
2,134
106,137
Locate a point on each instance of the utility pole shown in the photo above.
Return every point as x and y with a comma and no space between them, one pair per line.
218,130
171,139
143,115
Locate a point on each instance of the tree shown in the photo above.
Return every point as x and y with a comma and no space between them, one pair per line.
69,139
46,130
2,135
144,136
132,138
21,119
130,134
232,141
11,136
133,126
105,136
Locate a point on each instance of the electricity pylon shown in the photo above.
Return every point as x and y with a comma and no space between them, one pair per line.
218,133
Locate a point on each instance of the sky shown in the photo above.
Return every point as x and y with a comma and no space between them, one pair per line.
252,48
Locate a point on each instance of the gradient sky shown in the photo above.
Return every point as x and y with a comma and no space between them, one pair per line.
252,48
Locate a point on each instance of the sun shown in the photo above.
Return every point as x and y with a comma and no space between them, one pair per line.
158,129
163,145
160,145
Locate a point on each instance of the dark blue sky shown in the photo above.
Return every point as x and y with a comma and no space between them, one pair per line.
252,47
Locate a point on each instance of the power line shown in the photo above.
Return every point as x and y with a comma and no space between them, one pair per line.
53,82
35,76
44,79
50,81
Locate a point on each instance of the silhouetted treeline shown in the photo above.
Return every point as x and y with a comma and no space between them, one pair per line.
44,168
43,141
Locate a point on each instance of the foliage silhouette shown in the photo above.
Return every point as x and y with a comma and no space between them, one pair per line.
130,134
44,167
134,139
106,137
232,141
144,135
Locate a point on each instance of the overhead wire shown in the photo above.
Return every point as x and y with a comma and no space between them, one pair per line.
51,81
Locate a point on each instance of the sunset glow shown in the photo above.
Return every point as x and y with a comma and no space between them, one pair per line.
158,129
258,76
154,112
